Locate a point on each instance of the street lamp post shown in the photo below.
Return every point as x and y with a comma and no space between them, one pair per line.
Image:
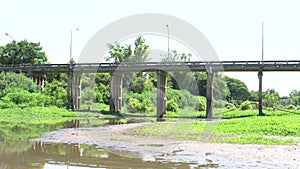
260,74
10,36
71,41
168,42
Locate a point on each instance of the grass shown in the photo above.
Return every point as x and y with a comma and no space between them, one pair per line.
251,129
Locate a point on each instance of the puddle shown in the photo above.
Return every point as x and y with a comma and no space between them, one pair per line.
70,156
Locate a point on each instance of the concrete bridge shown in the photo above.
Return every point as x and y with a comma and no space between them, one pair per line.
116,70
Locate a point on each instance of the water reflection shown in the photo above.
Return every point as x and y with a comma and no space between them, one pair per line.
58,155
17,152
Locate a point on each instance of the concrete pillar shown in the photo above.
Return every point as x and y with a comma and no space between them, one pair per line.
39,79
260,103
209,94
69,91
115,104
161,94
76,89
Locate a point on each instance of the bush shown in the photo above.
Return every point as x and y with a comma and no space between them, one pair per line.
291,107
246,105
22,98
201,106
187,99
10,81
172,106
136,106
219,103
230,106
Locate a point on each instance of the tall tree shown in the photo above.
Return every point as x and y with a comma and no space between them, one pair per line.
271,98
294,97
119,53
238,90
22,52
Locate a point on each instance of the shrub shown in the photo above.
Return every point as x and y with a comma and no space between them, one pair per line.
22,98
172,106
136,106
201,106
246,105
230,106
291,107
219,103
9,81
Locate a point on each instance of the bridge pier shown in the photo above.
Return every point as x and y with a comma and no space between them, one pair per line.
74,90
39,79
161,94
209,94
260,103
115,103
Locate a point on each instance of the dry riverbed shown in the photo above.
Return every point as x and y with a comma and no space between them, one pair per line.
120,140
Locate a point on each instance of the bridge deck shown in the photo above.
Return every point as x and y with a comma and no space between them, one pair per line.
289,65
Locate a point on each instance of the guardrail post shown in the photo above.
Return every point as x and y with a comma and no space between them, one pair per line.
161,94
115,102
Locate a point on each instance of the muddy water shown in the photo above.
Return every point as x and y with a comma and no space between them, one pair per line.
19,153
58,155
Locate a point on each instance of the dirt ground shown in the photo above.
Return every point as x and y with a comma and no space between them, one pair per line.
119,139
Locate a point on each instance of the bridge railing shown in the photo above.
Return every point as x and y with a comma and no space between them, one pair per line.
147,65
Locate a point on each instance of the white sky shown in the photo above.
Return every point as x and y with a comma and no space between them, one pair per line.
232,26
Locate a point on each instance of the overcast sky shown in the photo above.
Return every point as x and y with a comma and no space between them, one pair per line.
232,27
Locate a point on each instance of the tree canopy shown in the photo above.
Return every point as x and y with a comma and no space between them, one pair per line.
22,52
119,53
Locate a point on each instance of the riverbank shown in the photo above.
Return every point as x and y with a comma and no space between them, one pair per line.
123,141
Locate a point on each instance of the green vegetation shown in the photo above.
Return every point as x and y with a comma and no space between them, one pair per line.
270,129
22,52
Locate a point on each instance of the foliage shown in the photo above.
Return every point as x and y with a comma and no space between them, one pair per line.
249,130
253,96
9,81
201,106
291,107
246,105
294,98
230,106
22,98
102,82
219,103
31,112
136,106
138,84
271,98
88,95
22,52
56,88
174,56
119,53
238,90
172,106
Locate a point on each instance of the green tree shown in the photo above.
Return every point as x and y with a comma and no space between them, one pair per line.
119,53
22,52
271,98
175,56
9,81
294,97
238,90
